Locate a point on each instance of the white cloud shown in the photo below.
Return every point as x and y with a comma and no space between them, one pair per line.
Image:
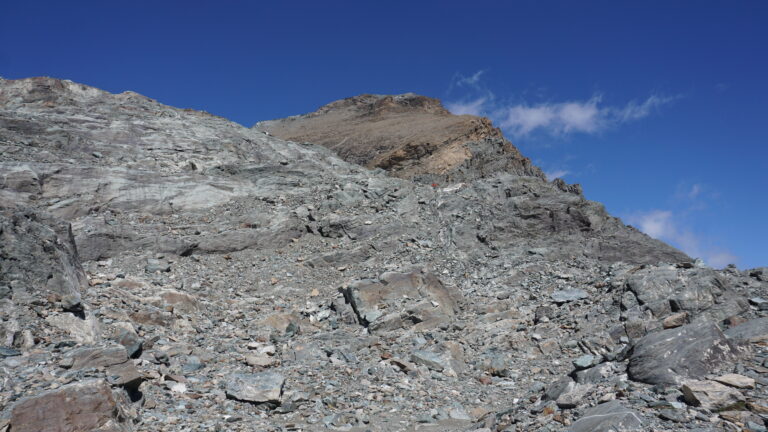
636,111
695,191
551,175
662,225
559,118
474,107
555,118
470,80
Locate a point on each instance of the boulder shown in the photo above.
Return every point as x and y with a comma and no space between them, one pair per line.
257,388
711,395
668,289
610,416
670,356
86,406
399,300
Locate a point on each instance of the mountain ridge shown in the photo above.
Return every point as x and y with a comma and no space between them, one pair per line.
167,269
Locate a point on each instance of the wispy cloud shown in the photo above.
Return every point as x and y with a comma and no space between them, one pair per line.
664,225
474,107
694,191
470,80
555,118
559,118
551,175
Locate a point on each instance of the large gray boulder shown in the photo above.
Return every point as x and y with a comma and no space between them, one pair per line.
667,289
671,356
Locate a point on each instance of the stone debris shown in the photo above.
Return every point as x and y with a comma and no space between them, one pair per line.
711,395
168,270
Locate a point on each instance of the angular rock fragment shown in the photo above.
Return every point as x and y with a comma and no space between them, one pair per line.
81,407
568,295
119,369
711,395
257,388
611,416
94,357
736,380
670,356
400,300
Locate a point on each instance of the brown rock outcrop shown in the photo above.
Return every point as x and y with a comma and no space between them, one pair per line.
410,136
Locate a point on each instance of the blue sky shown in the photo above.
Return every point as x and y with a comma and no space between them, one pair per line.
659,109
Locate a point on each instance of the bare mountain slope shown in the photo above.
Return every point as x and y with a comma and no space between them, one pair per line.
408,135
168,270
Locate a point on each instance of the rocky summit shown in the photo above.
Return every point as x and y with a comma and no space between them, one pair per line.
378,265
410,136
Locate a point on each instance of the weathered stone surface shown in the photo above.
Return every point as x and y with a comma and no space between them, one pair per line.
94,357
81,407
573,396
568,295
608,417
399,300
85,331
252,236
670,356
664,290
736,380
409,135
711,395
595,374
755,330
257,388
39,259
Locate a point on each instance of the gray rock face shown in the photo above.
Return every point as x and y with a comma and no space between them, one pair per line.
664,290
670,356
38,259
751,331
258,388
606,417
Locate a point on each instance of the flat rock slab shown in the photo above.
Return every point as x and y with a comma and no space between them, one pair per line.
711,395
736,380
569,295
399,300
81,407
94,357
610,416
673,355
258,388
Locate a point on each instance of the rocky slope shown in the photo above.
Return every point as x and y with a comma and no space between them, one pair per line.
410,136
167,270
